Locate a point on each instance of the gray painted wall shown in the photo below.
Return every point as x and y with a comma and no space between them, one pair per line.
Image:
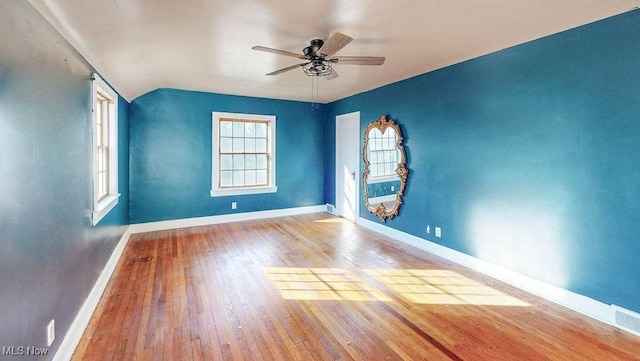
50,255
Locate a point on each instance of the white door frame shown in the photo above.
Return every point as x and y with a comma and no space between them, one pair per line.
348,157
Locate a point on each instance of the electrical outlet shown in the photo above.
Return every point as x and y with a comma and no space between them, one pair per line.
234,205
393,188
51,332
438,232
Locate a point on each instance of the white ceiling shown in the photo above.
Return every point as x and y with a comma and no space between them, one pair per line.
205,45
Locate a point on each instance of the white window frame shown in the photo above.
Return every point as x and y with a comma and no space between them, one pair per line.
102,206
271,187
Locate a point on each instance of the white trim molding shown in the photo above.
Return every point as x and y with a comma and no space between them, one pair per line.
577,302
109,114
216,189
81,321
224,218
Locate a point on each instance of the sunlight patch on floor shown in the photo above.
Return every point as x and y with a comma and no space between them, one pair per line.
419,286
433,286
296,283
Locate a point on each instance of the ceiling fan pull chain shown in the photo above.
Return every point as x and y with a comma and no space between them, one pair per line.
314,93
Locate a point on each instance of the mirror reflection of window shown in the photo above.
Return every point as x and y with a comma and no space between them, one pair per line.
383,154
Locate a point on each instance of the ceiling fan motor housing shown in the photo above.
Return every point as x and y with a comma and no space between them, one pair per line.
311,50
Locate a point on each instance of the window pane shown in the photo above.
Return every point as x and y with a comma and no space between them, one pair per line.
250,178
100,160
250,145
261,161
226,179
106,159
98,123
261,145
261,130
250,161
238,145
225,145
238,178
105,183
238,129
238,162
249,129
225,128
391,133
372,144
261,177
100,186
226,162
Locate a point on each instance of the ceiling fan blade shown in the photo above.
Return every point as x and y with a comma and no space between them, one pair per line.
336,42
276,51
333,75
358,60
287,69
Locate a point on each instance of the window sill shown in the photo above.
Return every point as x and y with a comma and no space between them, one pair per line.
382,199
383,179
221,192
104,206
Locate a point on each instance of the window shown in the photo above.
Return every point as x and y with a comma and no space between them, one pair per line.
104,148
243,157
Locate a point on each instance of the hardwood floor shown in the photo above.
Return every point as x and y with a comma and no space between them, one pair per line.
315,287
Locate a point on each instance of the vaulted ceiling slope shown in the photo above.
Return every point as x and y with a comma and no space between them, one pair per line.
205,45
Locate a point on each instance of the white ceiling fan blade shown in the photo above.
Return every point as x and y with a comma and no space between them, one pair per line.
336,42
358,60
287,69
276,51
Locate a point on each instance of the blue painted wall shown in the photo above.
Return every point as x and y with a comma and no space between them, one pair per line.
170,145
50,255
528,158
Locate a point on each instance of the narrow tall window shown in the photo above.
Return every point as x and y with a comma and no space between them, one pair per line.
243,154
103,102
105,148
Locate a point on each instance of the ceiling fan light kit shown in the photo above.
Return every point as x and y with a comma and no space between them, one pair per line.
319,57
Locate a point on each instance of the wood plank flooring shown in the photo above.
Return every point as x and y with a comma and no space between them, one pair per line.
315,287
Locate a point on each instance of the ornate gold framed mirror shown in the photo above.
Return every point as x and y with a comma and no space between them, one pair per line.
385,173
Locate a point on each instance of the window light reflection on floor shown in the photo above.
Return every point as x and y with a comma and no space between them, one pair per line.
419,286
433,286
295,283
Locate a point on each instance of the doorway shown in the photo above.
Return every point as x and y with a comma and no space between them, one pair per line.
348,165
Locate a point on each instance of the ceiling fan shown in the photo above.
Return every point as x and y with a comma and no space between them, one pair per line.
319,57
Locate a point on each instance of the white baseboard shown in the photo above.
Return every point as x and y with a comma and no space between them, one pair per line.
225,218
80,323
577,302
